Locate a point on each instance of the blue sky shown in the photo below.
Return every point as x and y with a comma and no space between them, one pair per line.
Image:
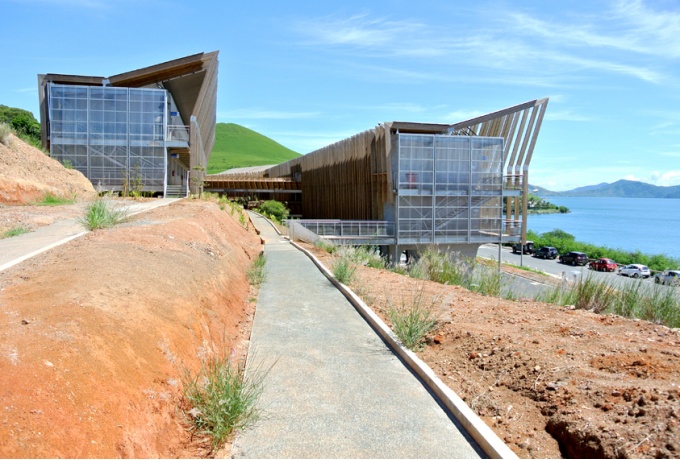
309,73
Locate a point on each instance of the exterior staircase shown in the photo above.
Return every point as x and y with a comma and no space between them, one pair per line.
175,191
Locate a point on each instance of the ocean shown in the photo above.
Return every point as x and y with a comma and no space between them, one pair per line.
651,225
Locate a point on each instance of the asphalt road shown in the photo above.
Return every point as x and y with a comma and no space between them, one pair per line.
557,269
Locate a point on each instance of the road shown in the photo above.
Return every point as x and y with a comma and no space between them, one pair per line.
557,269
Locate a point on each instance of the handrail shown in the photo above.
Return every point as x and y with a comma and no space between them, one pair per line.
177,133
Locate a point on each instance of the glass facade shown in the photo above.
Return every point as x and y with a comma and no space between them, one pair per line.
110,134
450,189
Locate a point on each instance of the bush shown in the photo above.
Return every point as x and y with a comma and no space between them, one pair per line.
274,210
100,214
221,398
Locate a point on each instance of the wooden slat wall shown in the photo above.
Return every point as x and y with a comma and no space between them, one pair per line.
345,180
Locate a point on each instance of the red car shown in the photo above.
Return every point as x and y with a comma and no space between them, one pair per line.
603,265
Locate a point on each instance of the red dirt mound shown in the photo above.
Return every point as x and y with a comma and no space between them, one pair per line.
27,175
95,334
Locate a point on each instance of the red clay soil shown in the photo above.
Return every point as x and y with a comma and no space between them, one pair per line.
550,381
27,175
95,335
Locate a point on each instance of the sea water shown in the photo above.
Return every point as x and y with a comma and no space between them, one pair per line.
651,225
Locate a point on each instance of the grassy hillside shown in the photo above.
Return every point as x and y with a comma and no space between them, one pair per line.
236,146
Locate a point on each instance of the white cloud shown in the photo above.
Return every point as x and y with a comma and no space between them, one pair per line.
665,179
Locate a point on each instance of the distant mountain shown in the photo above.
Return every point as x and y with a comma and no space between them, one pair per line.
237,146
621,189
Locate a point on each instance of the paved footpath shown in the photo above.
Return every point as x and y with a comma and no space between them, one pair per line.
19,248
335,390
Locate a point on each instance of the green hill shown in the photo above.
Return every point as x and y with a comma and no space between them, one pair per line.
236,146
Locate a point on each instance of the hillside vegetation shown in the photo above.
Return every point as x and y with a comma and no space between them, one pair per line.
237,146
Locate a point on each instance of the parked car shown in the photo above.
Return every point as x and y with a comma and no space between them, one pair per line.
574,258
635,271
603,265
670,277
528,247
546,252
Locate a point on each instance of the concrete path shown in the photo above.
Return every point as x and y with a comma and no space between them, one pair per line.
335,389
16,249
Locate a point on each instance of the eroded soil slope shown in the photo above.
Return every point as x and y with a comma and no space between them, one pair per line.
27,174
550,381
95,334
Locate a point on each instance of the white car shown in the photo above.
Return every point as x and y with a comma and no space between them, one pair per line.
635,271
670,277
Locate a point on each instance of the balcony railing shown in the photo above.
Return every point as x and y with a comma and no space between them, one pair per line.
178,133
513,181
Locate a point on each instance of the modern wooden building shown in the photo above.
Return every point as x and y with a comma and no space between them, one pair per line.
455,185
151,128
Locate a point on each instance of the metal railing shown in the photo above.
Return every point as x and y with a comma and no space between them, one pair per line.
513,181
348,231
177,133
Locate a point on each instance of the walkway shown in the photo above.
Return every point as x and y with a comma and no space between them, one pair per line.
335,389
19,248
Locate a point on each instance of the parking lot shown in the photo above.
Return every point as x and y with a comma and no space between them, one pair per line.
554,267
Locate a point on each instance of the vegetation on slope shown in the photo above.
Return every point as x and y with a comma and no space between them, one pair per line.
23,123
237,146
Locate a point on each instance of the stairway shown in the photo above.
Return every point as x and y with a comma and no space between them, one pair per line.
175,191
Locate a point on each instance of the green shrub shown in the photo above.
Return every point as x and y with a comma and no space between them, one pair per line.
16,231
100,214
274,210
413,319
221,398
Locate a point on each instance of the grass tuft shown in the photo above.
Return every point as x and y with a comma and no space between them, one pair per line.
344,270
221,398
52,200
256,272
326,246
100,214
413,319
16,231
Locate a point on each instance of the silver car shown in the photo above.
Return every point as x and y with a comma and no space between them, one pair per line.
670,277
635,271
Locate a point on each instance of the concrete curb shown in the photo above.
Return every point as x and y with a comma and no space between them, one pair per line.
487,440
